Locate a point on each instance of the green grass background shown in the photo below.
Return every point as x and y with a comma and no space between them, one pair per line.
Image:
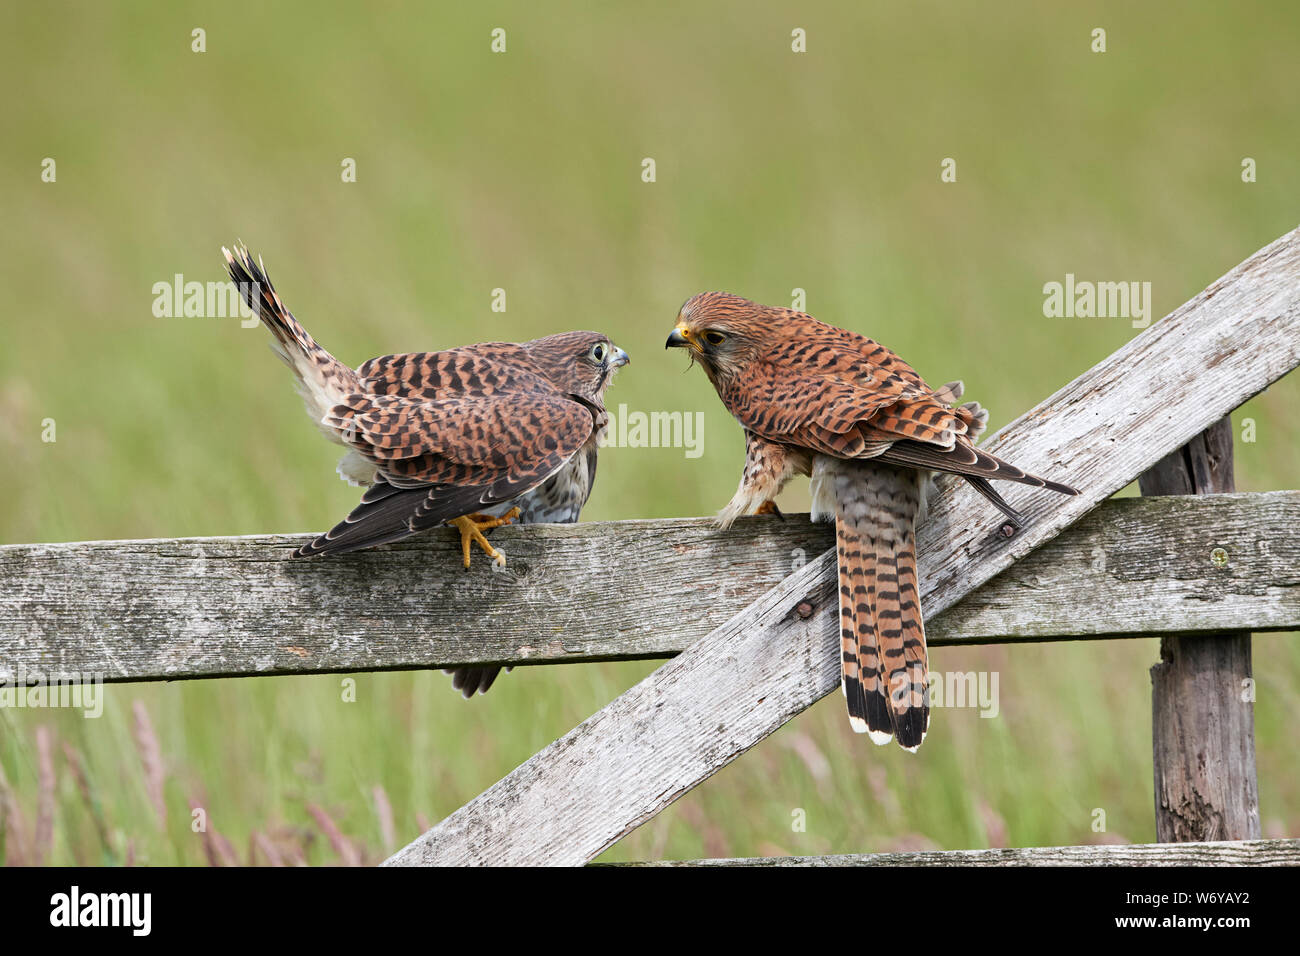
522,171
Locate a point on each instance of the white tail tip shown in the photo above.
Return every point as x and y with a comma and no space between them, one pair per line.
913,750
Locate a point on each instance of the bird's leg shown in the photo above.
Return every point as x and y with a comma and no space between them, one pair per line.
471,528
768,466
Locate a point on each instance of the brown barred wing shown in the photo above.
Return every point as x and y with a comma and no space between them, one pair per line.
968,461
442,459
471,371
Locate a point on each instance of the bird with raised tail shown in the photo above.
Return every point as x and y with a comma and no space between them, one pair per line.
821,401
473,437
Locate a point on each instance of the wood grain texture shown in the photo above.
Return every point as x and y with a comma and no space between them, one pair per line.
150,610
1116,420
210,607
1226,853
732,688
1141,566
1202,694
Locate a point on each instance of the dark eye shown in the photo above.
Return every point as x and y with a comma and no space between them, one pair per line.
714,338
598,353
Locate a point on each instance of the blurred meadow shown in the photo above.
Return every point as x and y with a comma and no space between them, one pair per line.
522,171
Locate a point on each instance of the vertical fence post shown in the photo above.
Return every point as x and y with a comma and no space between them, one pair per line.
1202,695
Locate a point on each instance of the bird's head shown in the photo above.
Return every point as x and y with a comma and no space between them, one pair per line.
724,332
579,363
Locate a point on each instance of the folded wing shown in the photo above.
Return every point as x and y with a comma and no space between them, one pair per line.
844,395
441,458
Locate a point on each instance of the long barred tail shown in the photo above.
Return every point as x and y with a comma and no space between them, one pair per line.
882,637
322,379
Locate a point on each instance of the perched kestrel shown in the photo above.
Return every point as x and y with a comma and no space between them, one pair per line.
473,437
821,401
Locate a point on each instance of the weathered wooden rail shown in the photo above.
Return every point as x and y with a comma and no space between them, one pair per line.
1224,853
758,612
215,607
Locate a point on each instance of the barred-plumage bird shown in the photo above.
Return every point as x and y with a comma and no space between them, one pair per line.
821,401
474,437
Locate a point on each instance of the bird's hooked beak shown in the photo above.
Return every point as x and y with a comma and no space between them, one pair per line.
617,357
680,338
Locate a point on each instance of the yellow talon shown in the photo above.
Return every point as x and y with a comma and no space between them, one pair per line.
471,528
768,507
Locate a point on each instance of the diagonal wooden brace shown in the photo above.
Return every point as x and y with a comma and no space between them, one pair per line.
744,680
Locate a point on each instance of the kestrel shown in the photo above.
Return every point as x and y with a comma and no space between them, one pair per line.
473,437
832,404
